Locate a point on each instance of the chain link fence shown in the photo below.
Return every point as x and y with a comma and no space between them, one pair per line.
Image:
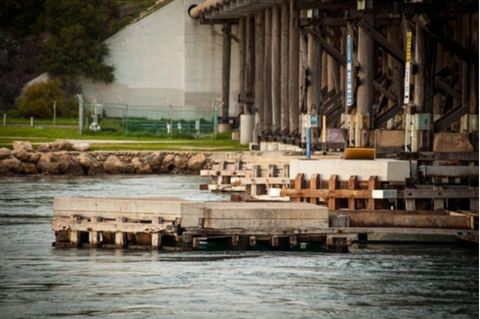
150,121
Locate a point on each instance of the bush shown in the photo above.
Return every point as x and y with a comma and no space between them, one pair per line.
39,98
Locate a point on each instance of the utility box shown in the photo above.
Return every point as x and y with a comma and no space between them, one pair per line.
423,122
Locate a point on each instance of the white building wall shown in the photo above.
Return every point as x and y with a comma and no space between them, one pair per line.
166,56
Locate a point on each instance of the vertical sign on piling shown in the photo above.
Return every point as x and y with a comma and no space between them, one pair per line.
349,70
406,98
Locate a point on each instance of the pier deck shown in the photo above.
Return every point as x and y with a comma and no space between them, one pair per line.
174,224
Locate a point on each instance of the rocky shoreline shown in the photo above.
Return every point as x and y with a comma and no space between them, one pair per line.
64,158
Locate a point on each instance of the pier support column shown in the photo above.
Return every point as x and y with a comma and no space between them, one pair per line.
226,61
395,69
259,89
285,44
267,75
294,71
365,89
242,61
249,61
314,93
276,65
424,81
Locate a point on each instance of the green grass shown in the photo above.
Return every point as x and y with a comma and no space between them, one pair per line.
39,135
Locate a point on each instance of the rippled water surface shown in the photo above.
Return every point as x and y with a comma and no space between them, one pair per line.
377,281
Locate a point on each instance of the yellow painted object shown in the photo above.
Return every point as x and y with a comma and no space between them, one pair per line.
353,153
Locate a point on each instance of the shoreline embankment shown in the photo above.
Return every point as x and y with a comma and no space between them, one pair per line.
64,158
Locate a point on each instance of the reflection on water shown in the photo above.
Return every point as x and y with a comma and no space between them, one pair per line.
377,281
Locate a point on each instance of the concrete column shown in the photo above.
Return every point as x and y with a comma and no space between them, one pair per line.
276,65
365,89
314,93
285,45
250,59
259,52
293,70
267,74
226,61
242,60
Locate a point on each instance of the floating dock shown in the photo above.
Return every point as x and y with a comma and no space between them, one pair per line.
172,224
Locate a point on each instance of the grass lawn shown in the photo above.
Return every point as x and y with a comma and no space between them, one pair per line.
38,135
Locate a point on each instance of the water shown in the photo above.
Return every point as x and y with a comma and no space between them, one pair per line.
38,281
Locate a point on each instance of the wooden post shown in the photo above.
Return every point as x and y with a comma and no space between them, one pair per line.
94,238
156,237
352,185
226,61
250,59
259,51
372,184
438,203
332,185
285,44
276,66
365,75
314,93
120,237
267,74
242,62
314,184
255,173
293,70
75,235
298,186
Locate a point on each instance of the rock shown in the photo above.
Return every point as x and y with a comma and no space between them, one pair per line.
168,159
21,154
34,158
137,163
12,165
144,170
86,161
180,162
63,163
61,145
48,157
197,162
5,153
81,147
74,169
19,145
48,168
44,148
114,165
29,169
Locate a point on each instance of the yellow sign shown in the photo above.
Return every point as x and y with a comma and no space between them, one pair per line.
409,47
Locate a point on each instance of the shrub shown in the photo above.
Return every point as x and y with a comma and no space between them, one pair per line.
39,98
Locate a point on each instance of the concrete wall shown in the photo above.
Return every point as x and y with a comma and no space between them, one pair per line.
166,56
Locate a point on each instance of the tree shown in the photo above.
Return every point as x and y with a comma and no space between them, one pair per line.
74,46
